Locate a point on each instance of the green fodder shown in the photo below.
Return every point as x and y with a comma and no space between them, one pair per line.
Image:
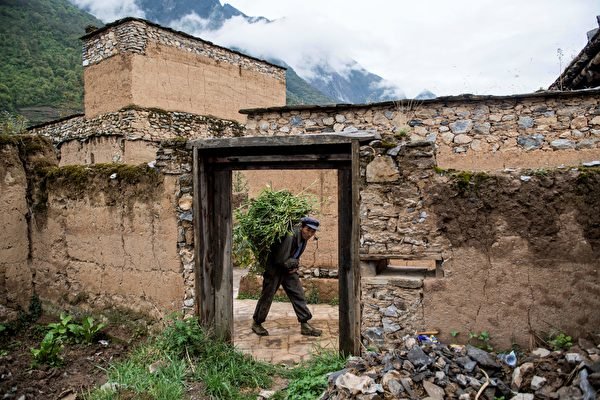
266,219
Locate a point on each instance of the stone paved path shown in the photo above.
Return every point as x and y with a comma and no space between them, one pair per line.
285,344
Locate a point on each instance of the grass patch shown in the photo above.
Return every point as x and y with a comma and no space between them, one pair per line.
309,380
163,366
185,355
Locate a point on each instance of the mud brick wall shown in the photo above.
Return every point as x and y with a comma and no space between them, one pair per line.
19,156
92,238
152,66
523,254
105,240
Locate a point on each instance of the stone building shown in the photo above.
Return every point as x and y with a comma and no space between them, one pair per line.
476,212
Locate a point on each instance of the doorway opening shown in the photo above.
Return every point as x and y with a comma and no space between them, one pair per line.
318,272
214,161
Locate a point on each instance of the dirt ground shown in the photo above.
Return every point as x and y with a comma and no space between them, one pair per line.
81,370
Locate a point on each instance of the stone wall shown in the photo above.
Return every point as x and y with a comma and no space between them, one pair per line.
152,66
478,133
130,135
414,207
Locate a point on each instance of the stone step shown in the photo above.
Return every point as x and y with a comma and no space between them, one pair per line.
407,282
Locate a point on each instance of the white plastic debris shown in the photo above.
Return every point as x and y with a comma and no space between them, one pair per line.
152,164
113,176
525,178
594,163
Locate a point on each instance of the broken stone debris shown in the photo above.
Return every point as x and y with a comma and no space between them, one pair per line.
436,371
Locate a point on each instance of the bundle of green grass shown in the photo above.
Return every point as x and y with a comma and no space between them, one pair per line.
263,221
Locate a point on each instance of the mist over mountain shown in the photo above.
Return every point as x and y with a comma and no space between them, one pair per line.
333,78
164,12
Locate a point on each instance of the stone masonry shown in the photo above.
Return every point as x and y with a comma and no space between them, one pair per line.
131,35
516,139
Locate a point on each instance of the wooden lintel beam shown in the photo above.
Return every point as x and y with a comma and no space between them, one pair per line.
282,141
279,158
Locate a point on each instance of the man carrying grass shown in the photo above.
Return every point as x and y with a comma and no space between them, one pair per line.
282,269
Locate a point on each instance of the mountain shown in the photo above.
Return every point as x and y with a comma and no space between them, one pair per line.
164,12
41,75
425,95
356,86
328,85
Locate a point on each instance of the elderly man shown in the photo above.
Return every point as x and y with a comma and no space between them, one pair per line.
282,269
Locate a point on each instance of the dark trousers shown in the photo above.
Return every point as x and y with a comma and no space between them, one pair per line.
291,284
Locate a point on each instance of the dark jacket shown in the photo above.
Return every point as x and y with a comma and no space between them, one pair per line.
281,255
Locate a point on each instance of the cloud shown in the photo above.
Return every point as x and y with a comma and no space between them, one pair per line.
290,39
110,10
448,47
192,24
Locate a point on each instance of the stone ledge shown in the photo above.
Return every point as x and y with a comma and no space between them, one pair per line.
406,283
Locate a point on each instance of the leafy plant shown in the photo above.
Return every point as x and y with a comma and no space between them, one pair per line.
560,341
263,221
62,328
87,330
49,350
182,336
454,333
482,340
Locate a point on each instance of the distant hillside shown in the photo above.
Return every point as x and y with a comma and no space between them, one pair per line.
40,57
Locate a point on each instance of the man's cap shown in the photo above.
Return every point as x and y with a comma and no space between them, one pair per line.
312,223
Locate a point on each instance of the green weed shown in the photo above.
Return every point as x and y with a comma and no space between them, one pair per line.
87,330
49,350
482,340
560,341
309,380
266,219
185,352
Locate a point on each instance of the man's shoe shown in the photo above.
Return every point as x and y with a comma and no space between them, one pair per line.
259,330
307,330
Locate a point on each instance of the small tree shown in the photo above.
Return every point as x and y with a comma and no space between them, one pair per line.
12,124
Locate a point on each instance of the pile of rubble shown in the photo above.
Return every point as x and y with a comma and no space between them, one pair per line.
436,371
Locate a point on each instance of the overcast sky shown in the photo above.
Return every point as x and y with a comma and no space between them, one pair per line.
447,46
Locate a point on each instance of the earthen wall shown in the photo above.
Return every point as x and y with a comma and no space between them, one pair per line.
15,273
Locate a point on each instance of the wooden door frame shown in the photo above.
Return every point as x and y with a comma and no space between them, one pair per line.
213,163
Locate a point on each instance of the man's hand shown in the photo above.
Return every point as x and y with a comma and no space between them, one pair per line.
291,264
